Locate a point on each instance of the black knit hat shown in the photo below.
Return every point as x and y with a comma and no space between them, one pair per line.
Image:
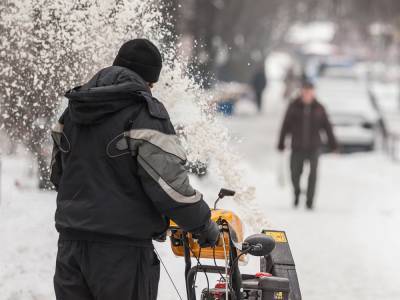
142,57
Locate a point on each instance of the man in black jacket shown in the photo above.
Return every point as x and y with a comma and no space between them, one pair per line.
120,174
304,120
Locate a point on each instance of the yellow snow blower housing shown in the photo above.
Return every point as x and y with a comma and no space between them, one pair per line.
231,225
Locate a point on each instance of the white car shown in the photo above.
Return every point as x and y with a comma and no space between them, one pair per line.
355,120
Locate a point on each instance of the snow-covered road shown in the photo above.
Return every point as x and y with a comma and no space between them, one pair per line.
346,249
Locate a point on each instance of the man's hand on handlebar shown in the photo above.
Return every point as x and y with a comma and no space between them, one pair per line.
209,236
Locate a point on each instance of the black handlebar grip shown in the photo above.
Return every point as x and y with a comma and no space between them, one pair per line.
225,192
259,244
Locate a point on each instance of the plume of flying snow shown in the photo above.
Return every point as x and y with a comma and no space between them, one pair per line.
50,46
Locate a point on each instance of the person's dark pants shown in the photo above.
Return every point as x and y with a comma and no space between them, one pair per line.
297,160
105,271
259,100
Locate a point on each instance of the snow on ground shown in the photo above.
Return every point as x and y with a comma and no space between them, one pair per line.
27,235
346,249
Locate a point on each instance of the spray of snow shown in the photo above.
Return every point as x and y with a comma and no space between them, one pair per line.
78,37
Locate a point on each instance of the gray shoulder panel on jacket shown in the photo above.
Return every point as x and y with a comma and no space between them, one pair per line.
166,142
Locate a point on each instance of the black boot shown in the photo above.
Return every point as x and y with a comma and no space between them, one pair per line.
296,200
309,205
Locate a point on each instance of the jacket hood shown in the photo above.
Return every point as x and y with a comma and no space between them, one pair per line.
109,91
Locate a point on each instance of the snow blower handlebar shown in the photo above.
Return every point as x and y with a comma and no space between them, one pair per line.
274,280
222,193
231,248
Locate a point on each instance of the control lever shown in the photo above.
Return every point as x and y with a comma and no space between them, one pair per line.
223,193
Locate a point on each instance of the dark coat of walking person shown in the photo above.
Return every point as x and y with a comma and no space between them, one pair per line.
119,170
305,120
259,83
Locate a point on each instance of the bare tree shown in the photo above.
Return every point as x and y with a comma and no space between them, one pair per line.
232,38
46,48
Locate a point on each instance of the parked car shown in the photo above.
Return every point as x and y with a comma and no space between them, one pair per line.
344,92
354,132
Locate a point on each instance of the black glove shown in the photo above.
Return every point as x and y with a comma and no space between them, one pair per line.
209,235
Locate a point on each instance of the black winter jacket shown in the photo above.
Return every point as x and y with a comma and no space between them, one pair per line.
118,165
305,123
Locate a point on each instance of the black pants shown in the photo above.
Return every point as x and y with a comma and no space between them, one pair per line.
259,100
297,160
105,271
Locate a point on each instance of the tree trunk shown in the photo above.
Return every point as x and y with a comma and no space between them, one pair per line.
43,165
43,172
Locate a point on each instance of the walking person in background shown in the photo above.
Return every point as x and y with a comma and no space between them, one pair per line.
304,120
259,83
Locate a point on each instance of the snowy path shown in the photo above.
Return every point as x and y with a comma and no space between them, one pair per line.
347,249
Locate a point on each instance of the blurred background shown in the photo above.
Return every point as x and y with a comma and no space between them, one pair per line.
247,60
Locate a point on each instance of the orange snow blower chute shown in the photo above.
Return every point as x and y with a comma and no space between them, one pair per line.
227,220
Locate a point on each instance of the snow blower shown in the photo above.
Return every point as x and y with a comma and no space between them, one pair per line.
275,280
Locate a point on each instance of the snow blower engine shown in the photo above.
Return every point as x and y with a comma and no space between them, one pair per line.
275,280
